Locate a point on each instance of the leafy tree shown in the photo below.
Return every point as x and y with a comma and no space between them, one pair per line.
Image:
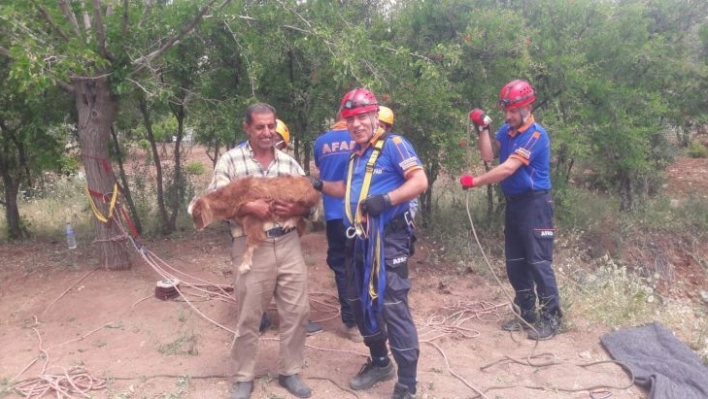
93,50
31,141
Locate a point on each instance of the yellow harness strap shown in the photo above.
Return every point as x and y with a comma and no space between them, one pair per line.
111,205
357,220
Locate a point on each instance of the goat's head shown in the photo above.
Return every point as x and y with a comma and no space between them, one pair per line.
201,213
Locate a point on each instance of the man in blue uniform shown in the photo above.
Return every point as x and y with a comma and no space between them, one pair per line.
523,173
384,174
332,149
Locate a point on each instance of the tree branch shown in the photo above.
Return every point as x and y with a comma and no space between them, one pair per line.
66,10
87,19
186,29
100,29
66,86
50,21
124,22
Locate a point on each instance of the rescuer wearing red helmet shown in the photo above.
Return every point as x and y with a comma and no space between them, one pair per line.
523,172
384,174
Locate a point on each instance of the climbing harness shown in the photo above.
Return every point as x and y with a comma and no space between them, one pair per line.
356,221
368,238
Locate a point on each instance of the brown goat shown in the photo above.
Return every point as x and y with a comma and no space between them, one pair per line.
225,204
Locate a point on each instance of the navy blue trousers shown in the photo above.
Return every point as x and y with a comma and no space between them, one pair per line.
336,260
396,323
529,235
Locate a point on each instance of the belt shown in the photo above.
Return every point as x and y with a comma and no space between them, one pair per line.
528,194
277,232
400,221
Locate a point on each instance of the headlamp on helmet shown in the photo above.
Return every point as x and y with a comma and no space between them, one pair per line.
358,101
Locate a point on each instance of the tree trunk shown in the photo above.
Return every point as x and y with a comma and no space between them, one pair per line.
306,157
626,195
12,212
158,164
178,188
96,109
126,187
426,198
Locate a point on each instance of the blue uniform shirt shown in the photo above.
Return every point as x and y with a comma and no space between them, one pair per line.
332,149
396,161
529,144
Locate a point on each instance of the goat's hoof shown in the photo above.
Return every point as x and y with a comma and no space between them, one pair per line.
244,268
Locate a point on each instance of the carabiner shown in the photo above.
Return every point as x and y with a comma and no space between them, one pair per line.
351,232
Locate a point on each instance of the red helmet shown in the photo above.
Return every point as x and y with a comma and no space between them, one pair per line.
516,94
358,101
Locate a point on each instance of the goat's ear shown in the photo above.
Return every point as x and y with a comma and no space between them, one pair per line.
201,214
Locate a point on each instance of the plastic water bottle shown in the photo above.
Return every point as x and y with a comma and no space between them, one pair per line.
70,236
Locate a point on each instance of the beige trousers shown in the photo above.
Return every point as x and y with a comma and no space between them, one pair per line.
279,271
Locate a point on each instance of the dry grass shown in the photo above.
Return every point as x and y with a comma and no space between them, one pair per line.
58,201
600,293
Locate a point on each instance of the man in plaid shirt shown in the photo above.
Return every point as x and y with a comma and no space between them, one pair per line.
278,268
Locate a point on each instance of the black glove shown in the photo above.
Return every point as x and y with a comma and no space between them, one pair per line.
316,183
376,204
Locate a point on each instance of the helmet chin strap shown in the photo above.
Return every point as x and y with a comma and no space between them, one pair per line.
374,126
525,115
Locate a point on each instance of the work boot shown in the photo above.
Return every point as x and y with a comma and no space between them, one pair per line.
266,324
353,334
370,374
545,329
313,328
401,391
243,390
294,385
515,324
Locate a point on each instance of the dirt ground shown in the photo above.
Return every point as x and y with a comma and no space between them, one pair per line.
59,310
55,308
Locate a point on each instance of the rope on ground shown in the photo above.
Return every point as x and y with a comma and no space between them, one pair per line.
67,384
224,377
591,389
449,369
529,361
69,289
438,325
335,383
319,348
335,308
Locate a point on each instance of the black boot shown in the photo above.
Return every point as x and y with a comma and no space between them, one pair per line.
545,329
515,324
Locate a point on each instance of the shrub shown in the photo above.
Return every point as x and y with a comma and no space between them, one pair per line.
195,168
697,150
69,165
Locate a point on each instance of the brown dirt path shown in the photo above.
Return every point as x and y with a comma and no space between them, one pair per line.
152,337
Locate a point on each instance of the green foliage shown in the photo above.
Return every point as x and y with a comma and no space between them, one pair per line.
611,77
697,150
144,144
195,168
184,344
69,165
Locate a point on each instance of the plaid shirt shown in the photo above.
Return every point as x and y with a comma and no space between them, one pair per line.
239,162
